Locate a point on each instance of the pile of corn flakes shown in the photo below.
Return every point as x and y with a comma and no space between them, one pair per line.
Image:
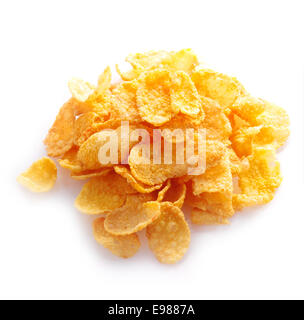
163,90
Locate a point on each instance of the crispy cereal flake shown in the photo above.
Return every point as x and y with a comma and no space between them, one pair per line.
122,246
40,177
60,137
138,212
80,89
184,96
259,182
103,194
169,235
217,86
153,98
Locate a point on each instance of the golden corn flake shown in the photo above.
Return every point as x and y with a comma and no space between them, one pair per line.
60,137
122,246
100,104
268,135
236,164
183,60
272,132
138,212
103,194
216,123
217,203
248,108
89,151
148,60
153,98
83,124
215,151
169,235
277,122
243,140
238,123
40,177
184,96
70,162
130,74
259,182
88,154
80,89
97,127
124,101
215,179
104,81
217,86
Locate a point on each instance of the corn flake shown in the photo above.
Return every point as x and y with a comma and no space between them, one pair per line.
248,108
124,101
217,86
70,162
216,123
103,194
215,179
80,89
104,81
153,98
276,121
169,235
84,123
121,246
184,60
40,177
184,96
138,212
259,182
60,137
217,203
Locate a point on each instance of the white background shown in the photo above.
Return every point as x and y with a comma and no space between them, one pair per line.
46,246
